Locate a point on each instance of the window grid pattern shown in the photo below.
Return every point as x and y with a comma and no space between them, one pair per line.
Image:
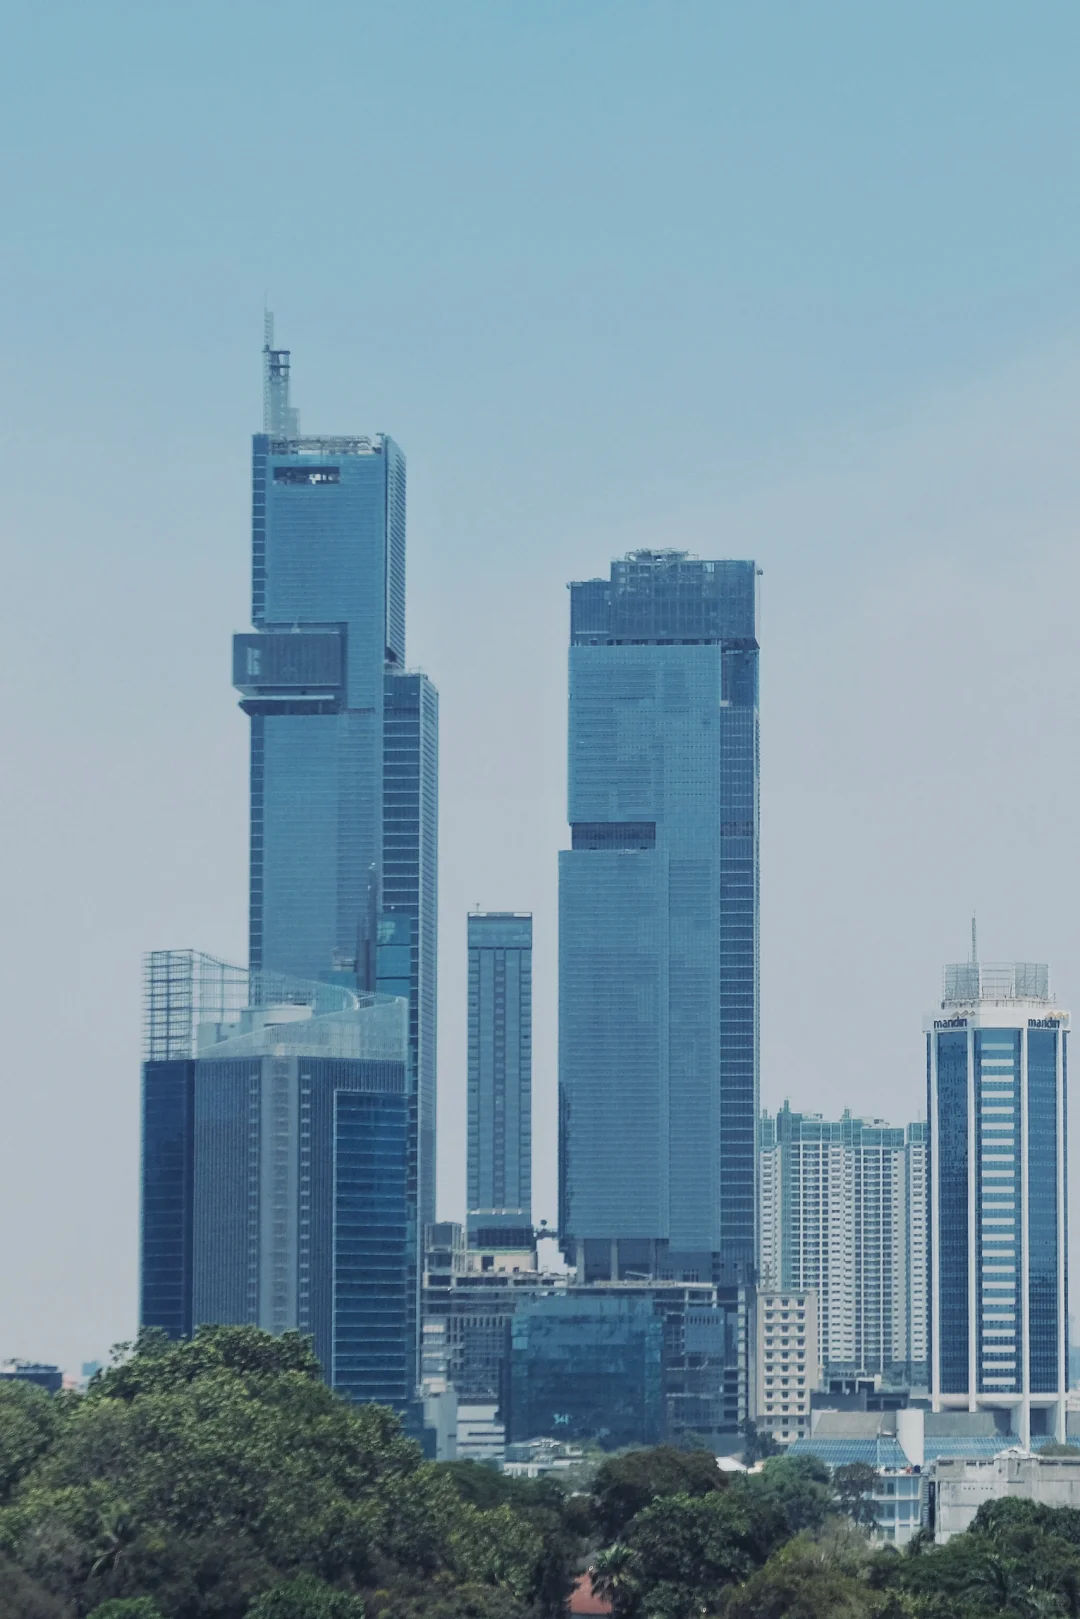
659,944
500,1066
325,555
843,1211
375,1280
1044,1319
999,1193
952,1210
410,886
168,1154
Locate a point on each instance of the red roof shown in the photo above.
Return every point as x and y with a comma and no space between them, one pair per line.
585,1599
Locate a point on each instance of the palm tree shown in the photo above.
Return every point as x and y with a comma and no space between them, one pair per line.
615,1575
994,1583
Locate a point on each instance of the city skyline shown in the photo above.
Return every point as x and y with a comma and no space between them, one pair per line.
817,344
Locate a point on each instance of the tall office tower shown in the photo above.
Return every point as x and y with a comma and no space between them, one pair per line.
658,923
279,1166
338,746
409,908
996,1082
500,1080
843,1211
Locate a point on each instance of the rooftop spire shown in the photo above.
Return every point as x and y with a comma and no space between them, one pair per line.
974,942
280,420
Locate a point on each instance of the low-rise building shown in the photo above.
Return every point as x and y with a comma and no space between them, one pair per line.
841,1438
481,1437
956,1487
49,1378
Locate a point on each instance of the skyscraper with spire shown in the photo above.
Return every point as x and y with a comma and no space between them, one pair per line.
344,759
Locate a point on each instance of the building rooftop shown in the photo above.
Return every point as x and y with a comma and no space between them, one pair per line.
198,1006
966,983
666,596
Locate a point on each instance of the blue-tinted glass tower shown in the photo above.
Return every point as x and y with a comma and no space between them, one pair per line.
343,824
500,1080
658,923
996,1085
409,905
279,1174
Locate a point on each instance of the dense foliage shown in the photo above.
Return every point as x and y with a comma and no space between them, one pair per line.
221,1479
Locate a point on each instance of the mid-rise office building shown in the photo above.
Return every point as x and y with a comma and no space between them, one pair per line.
279,1163
585,1366
468,1303
788,1362
49,1378
343,742
500,1080
658,924
843,1212
470,1307
996,1086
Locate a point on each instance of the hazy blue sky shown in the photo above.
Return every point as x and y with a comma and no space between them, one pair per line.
792,281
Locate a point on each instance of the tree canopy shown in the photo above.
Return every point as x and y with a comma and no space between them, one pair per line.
222,1479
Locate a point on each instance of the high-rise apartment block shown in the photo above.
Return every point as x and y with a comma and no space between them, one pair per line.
500,1080
343,742
788,1362
279,1166
844,1212
996,1085
658,924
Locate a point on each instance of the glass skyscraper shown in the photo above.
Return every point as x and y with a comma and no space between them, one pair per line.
500,1080
409,904
658,923
279,1174
996,1086
344,743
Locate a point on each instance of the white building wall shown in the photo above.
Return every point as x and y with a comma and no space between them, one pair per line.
849,1221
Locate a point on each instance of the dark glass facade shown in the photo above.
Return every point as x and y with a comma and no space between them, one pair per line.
410,889
583,1367
658,923
1044,1128
279,1175
500,1080
375,1284
168,1166
951,1214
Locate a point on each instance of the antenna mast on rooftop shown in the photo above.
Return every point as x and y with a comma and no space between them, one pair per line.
280,420
974,942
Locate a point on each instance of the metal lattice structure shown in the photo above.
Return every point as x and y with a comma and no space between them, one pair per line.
185,990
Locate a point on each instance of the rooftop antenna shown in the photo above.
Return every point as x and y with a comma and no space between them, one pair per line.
974,942
280,420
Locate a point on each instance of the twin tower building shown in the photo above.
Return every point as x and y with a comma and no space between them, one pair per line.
289,1107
